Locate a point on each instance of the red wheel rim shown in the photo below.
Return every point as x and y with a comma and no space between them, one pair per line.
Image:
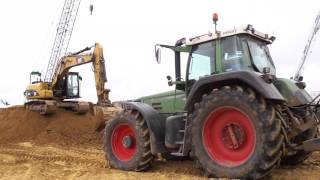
229,136
123,142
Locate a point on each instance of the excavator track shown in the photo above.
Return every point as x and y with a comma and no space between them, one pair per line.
44,107
47,107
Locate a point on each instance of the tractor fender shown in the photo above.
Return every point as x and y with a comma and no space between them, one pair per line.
155,123
244,78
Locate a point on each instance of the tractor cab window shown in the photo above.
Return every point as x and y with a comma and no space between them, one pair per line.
245,53
234,55
260,55
202,61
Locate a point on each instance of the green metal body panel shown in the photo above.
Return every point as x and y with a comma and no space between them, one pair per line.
218,57
182,49
291,92
166,102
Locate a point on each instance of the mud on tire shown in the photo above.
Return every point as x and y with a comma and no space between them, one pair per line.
255,147
127,142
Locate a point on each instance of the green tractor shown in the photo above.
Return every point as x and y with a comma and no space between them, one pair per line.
230,113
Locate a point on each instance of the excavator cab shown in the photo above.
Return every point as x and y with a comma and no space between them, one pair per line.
69,87
73,85
35,77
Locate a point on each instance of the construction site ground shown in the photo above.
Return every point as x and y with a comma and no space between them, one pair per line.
66,146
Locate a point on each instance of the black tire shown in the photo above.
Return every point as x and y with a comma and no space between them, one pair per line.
267,149
142,158
298,157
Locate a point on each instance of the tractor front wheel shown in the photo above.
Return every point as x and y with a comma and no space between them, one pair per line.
127,142
235,134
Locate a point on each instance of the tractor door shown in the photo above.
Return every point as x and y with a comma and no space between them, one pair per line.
202,62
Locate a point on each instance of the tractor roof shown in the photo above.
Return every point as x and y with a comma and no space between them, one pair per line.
249,30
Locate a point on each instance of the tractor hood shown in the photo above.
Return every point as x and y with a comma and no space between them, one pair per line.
294,95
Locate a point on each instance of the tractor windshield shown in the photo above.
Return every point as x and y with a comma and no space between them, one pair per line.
260,55
235,55
245,53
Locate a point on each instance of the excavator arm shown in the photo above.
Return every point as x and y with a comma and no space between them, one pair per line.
100,76
80,58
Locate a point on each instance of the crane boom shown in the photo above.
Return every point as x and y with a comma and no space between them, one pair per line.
307,47
63,35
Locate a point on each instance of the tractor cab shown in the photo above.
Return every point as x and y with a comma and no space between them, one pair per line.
239,49
234,53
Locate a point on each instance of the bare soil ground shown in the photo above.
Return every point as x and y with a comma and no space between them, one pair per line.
65,146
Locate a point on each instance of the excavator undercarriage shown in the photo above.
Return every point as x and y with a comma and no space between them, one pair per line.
47,107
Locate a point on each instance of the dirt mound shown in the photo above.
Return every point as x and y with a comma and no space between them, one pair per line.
63,127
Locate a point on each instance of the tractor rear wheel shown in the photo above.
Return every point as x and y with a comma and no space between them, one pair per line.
127,142
235,134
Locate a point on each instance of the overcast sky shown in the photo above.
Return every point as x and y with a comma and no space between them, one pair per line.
128,31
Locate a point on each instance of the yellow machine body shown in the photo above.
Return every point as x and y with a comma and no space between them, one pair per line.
39,90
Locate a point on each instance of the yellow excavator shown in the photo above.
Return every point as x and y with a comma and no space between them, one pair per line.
45,97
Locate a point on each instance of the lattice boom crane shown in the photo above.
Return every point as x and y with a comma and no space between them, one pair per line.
63,35
297,75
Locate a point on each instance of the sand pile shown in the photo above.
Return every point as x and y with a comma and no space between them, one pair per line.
63,127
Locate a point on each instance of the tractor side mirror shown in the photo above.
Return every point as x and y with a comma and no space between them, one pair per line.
158,53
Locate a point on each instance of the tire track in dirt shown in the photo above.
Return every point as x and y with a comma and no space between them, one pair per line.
55,155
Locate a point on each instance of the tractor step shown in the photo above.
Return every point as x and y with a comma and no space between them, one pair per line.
183,149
